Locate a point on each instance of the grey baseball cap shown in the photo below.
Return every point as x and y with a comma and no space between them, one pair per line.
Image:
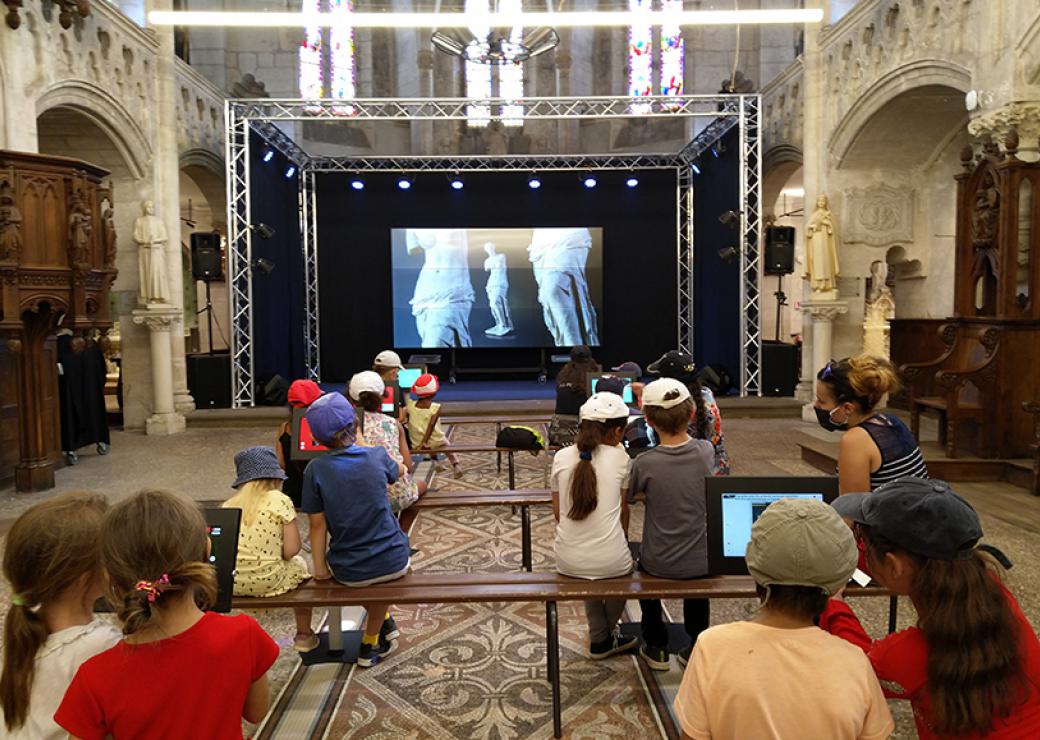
801,542
922,516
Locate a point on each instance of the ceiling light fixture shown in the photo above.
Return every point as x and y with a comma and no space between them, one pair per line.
498,47
582,19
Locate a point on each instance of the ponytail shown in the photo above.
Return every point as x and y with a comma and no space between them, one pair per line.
702,424
863,379
584,486
140,603
49,549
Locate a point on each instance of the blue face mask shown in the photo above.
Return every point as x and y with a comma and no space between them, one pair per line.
823,416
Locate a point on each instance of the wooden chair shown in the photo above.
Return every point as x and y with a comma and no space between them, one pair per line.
965,373
1033,407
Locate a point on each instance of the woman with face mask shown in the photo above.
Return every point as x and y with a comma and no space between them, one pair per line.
875,448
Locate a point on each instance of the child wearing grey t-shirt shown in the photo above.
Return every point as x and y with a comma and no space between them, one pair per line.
671,477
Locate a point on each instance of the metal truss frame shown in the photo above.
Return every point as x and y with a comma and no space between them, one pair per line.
262,115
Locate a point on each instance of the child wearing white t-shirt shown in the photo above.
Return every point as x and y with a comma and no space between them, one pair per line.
588,490
779,675
51,561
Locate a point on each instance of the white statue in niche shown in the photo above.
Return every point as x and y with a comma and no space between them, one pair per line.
880,309
497,292
558,257
821,249
150,236
443,293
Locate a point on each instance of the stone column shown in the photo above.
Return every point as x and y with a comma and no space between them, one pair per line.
160,320
423,135
167,197
821,313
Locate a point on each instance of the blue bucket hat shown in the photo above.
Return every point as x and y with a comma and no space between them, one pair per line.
329,415
256,463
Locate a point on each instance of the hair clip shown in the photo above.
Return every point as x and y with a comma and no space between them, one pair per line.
153,588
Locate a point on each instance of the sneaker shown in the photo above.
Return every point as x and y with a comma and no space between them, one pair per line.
304,644
613,645
683,656
655,657
369,655
389,630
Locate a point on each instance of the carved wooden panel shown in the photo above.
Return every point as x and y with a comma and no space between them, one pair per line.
43,211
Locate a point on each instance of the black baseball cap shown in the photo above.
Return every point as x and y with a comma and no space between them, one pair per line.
610,384
922,516
581,352
673,364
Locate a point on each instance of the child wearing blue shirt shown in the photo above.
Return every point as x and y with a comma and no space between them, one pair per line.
344,495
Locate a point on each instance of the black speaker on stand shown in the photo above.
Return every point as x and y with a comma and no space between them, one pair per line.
779,261
779,368
209,374
207,266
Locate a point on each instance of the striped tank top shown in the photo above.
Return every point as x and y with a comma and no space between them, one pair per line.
900,455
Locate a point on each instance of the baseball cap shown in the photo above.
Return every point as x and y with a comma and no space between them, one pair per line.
609,384
329,415
657,393
366,380
303,393
801,542
426,385
603,406
581,352
673,364
920,515
629,367
388,358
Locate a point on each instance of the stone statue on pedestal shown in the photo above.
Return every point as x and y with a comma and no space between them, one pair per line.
880,309
821,249
497,292
150,236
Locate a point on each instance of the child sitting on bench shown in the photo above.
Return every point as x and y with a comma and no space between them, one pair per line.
424,426
344,494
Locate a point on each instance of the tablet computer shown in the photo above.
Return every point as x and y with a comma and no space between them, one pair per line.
223,526
304,446
407,376
735,502
627,378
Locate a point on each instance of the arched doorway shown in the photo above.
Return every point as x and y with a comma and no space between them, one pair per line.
203,198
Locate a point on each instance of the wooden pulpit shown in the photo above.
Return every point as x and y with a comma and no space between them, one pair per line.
57,256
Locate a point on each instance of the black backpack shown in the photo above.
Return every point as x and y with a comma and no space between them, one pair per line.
520,438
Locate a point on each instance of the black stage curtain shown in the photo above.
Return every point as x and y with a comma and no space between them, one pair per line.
279,297
639,255
716,292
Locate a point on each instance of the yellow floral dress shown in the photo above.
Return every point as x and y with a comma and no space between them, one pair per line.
260,569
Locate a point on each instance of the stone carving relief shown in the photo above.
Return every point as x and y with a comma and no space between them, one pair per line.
879,216
1020,121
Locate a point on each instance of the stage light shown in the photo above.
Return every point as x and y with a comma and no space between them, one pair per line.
632,181
290,171
715,152
589,182
263,264
727,254
357,183
263,230
456,182
533,182
268,155
695,168
730,218
404,183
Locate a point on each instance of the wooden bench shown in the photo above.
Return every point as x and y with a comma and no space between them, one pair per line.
533,420
966,370
480,447
550,588
524,499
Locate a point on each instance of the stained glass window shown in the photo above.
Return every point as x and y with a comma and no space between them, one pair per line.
478,76
640,56
511,76
312,77
671,52
341,57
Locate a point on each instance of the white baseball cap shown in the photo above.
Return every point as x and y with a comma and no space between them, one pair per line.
388,358
603,406
666,393
366,380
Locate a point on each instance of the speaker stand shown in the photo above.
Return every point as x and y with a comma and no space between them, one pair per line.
208,310
781,301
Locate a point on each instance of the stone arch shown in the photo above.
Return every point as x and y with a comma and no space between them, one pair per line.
108,114
777,166
206,169
919,74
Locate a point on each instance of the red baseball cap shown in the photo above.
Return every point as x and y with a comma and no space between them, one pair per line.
303,393
426,385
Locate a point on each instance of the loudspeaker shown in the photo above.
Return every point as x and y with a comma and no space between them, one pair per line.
779,250
273,391
779,368
209,380
205,256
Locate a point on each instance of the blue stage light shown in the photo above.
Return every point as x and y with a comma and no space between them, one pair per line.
357,183
589,182
534,183
457,184
715,152
695,168
290,171
632,182
404,183
268,155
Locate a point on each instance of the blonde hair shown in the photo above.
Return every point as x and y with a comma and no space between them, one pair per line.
49,548
251,496
863,379
151,537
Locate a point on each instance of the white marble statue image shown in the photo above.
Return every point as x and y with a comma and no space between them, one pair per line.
821,249
558,257
443,293
150,236
497,292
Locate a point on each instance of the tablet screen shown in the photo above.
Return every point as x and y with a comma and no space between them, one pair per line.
306,441
741,510
407,376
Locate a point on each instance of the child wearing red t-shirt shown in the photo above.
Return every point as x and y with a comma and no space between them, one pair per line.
179,671
971,666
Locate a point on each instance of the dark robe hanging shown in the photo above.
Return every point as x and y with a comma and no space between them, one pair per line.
81,388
